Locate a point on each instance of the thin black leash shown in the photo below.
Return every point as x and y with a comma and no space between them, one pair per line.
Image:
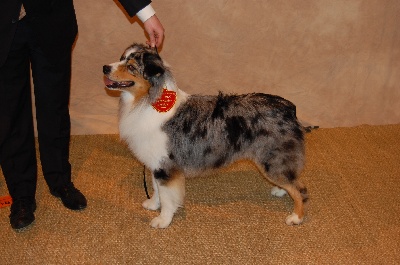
144,182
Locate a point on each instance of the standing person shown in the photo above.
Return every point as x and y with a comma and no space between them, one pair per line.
37,36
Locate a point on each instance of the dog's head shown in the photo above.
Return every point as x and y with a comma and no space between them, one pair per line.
140,67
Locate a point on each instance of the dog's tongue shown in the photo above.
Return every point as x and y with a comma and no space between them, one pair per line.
113,84
108,82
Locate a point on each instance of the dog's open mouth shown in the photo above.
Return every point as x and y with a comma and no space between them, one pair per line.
117,84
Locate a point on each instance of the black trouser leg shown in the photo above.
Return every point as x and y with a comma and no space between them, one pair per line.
17,142
52,90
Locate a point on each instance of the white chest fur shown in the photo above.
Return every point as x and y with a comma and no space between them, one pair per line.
140,126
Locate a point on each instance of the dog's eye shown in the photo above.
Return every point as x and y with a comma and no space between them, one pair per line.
130,67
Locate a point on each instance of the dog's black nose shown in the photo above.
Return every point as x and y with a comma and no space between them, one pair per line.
106,69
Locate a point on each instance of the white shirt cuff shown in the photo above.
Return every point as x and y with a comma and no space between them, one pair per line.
145,13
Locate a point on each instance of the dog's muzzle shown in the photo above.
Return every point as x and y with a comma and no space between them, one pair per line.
114,84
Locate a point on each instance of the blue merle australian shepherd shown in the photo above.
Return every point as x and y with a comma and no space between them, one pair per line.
175,134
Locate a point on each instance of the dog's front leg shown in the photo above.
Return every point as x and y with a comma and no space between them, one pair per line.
171,192
154,202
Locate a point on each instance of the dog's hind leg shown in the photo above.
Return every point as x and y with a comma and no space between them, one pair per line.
171,191
154,202
298,192
287,182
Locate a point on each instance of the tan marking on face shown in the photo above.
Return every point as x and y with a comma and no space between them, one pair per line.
140,90
141,87
121,74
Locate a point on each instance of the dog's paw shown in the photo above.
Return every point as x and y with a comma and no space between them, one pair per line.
151,204
293,219
160,222
278,192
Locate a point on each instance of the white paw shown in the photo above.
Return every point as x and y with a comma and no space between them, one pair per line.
293,219
160,222
278,192
151,204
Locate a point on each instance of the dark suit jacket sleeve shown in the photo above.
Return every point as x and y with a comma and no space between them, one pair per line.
134,6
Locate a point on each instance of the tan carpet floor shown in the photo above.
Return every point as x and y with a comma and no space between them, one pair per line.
353,178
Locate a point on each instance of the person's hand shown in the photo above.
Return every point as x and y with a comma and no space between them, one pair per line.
155,30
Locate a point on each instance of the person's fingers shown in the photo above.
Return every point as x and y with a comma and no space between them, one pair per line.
159,38
153,40
155,31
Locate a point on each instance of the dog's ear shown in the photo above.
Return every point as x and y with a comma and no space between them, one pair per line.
153,65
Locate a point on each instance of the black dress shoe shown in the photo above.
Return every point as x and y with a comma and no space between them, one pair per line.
22,212
71,197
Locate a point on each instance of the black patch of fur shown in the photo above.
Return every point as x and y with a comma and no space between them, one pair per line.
152,65
161,175
199,133
187,125
298,133
255,119
236,127
262,132
267,166
289,115
289,146
207,151
290,175
220,106
219,162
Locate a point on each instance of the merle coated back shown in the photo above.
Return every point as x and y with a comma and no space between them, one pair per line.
212,131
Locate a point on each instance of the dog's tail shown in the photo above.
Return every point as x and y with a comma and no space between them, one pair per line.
309,129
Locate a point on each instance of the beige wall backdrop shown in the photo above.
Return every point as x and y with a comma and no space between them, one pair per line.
337,60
